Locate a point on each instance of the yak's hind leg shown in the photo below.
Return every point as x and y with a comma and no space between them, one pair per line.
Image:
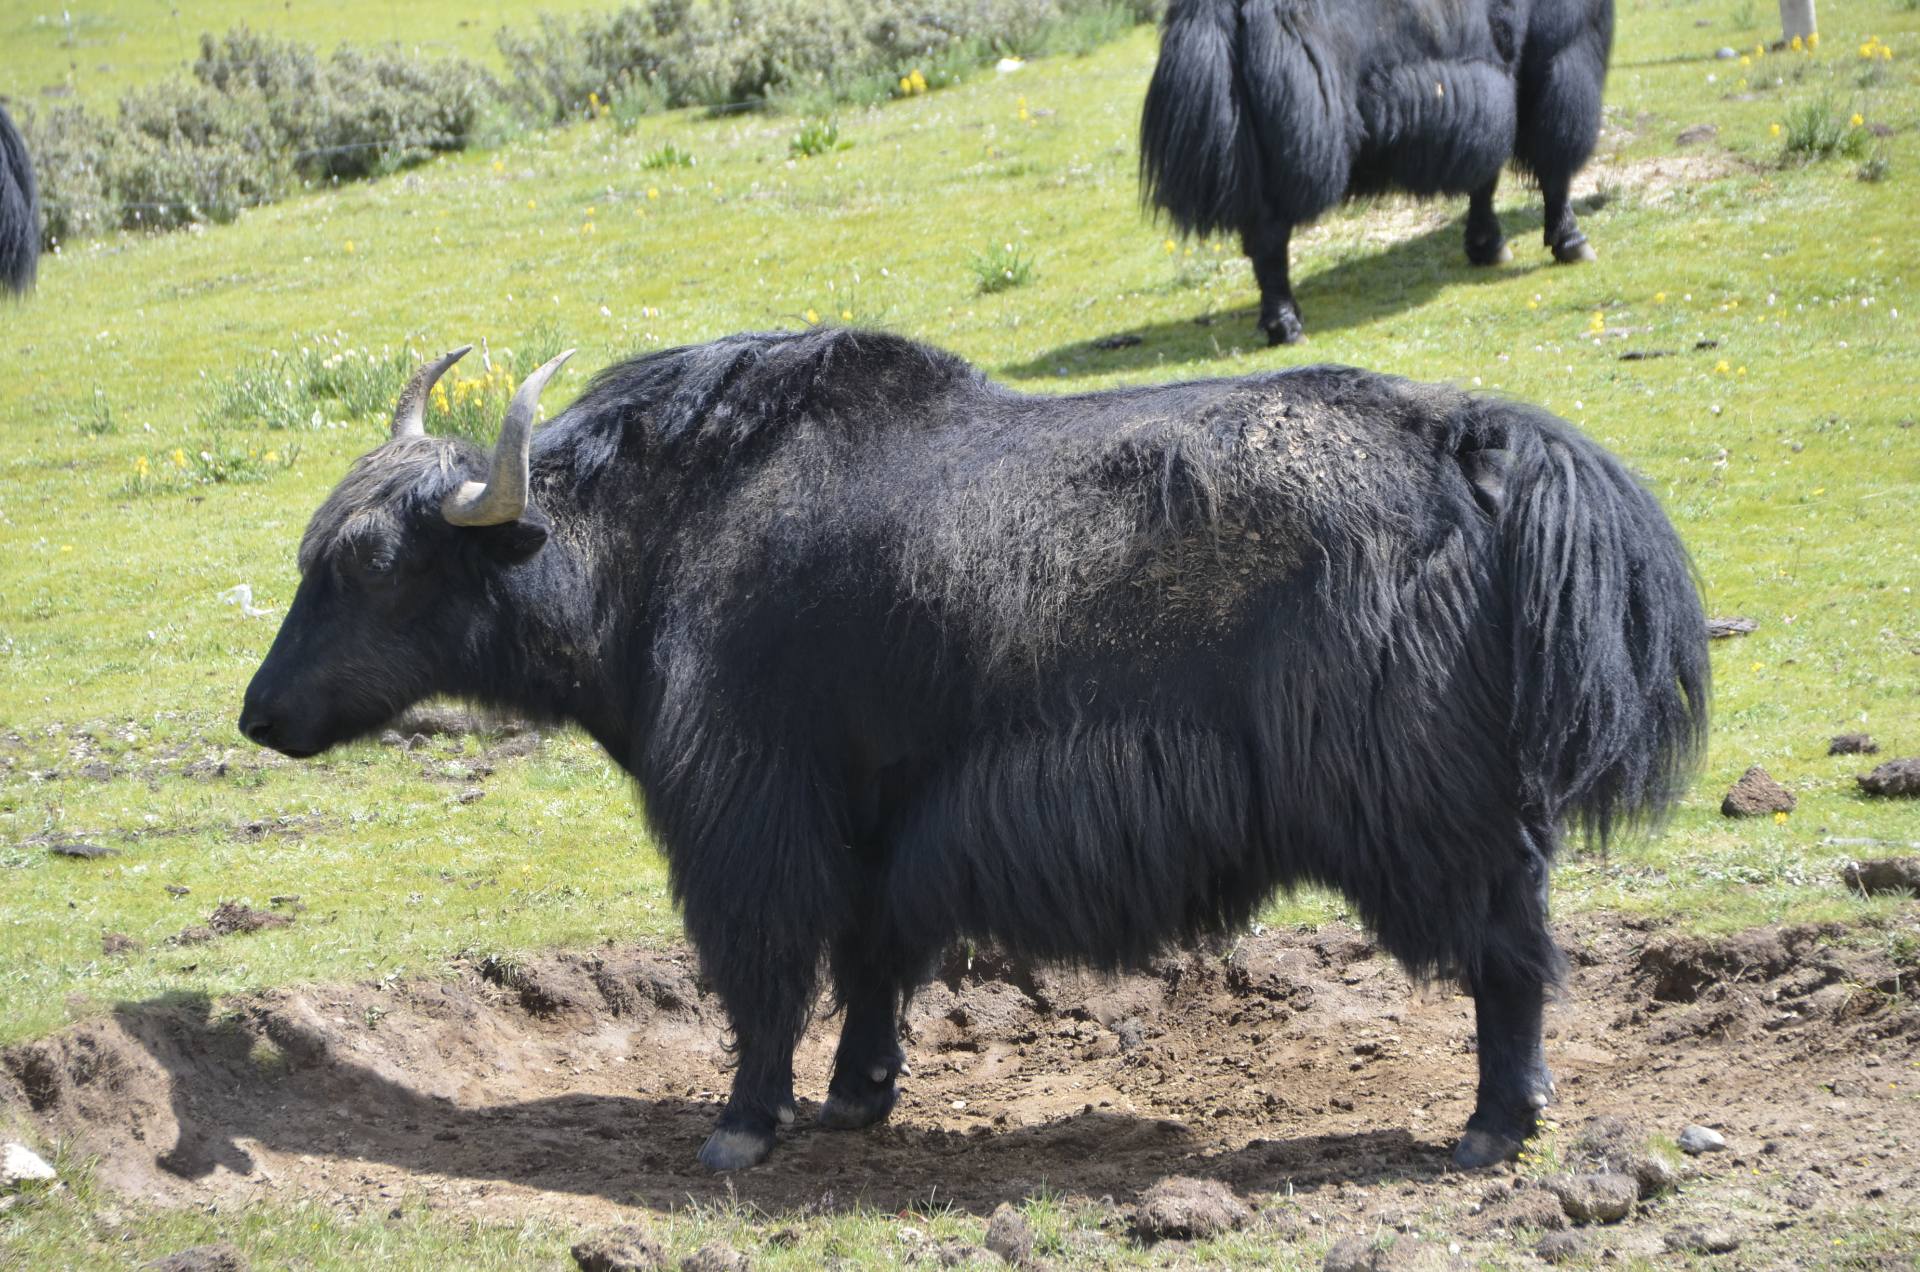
871,985
1508,976
1486,245
1560,104
1267,248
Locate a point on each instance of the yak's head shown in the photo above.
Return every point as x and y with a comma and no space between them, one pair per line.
405,579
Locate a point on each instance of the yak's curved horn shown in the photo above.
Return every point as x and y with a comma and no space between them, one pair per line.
503,496
410,412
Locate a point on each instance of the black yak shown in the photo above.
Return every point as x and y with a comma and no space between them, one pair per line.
19,211
900,657
1262,114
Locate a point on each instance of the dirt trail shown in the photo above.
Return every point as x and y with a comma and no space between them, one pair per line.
1298,1064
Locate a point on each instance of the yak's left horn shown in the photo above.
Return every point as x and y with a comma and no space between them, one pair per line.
410,412
503,496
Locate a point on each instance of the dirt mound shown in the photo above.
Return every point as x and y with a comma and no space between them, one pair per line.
1288,1064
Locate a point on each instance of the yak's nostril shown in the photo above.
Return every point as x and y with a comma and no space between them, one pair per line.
258,730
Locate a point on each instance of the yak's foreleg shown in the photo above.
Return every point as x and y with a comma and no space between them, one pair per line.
869,1059
1486,245
1509,981
1267,248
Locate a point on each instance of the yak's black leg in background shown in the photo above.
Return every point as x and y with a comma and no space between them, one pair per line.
1486,245
871,985
1562,232
1509,981
1266,247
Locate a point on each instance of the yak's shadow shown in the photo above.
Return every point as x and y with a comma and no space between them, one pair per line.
1363,285
317,1104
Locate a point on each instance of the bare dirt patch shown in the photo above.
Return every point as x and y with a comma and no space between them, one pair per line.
1301,1071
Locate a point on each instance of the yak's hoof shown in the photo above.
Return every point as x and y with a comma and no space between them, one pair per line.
851,1112
735,1148
1478,1149
1282,329
1574,250
1497,253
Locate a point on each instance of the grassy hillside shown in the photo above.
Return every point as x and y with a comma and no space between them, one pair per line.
95,52
1746,340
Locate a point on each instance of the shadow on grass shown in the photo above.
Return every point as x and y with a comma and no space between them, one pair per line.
328,1116
1364,285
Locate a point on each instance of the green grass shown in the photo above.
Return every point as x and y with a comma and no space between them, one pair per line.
1785,450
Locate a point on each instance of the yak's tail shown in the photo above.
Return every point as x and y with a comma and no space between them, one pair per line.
1610,667
1191,145
19,211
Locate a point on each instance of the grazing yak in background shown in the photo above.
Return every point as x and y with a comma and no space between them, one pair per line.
900,657
19,211
1262,114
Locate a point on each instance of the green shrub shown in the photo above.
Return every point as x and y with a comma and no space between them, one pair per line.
71,151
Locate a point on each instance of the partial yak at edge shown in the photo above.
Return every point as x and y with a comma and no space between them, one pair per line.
899,657
1263,114
19,211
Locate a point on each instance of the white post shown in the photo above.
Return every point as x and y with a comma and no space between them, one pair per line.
1796,19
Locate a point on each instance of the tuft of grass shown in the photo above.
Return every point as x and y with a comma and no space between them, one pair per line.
1815,130
1001,267
667,156
95,419
817,137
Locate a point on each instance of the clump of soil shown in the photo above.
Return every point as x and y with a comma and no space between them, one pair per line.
222,1256
1853,744
232,917
1894,778
1888,874
1756,793
1722,628
627,1248
1187,1208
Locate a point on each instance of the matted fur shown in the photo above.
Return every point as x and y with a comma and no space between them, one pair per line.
899,657
19,211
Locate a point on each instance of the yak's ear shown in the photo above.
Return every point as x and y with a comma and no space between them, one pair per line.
512,542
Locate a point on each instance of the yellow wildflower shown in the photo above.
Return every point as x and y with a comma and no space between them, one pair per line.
1813,40
1745,61
906,86
1797,45
1857,120
529,205
846,315
589,209
1779,819
919,81
1659,298
653,192
1721,367
813,316
1773,130
349,247
1169,247
179,458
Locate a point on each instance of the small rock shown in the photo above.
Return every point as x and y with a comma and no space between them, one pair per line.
179,889
1010,1236
80,848
195,935
21,1165
1598,1198
1853,744
1888,874
1355,1254
626,1248
222,1256
112,943
1722,628
1757,793
1695,1238
1180,1206
1695,1140
1697,133
472,795
1558,1247
715,1257
1725,54
1894,778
